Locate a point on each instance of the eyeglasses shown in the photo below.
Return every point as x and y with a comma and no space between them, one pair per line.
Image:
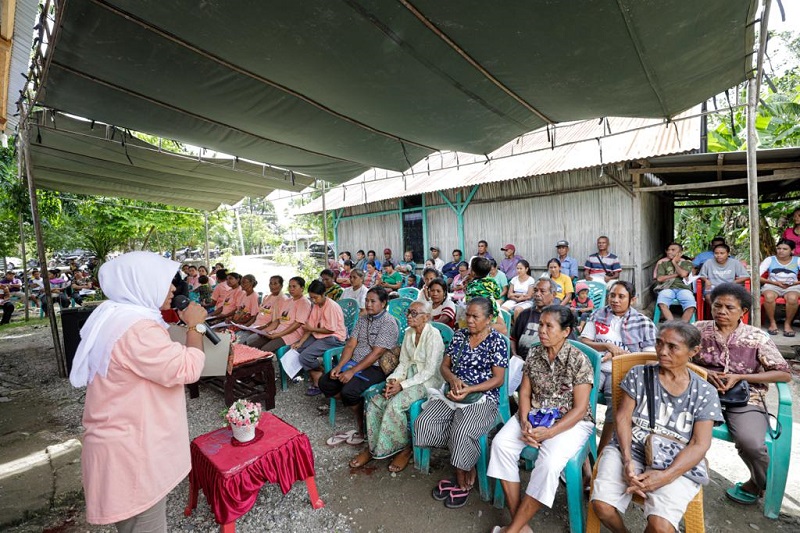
414,314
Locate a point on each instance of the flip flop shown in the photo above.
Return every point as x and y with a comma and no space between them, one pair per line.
457,498
356,439
772,331
361,459
313,391
339,438
788,333
740,496
442,490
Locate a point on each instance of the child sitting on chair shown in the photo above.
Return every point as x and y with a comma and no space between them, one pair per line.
582,306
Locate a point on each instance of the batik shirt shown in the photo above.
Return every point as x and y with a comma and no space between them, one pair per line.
334,292
487,288
474,365
374,330
552,384
748,350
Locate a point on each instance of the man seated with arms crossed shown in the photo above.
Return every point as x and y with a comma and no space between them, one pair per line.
450,270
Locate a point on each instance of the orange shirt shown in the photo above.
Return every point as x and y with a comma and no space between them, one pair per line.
220,291
232,300
329,316
292,311
249,303
136,445
269,309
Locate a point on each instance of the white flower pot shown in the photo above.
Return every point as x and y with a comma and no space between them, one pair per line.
244,433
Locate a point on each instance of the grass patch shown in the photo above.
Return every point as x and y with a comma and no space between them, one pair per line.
20,323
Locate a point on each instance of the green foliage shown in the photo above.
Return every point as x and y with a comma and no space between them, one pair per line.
312,224
260,229
306,266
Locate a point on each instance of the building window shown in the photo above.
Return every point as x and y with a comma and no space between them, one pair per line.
412,235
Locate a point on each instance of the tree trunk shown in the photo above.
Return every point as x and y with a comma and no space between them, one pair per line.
147,237
766,239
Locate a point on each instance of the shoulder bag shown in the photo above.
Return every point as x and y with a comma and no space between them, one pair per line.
660,450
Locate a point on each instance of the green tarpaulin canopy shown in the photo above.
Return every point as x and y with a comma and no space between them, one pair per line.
330,88
82,157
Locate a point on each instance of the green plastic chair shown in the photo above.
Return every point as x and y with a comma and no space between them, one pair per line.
779,450
422,456
597,292
507,319
411,293
575,498
675,301
284,378
351,311
398,308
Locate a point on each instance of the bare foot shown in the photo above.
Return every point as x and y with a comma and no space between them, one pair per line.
361,459
400,461
469,479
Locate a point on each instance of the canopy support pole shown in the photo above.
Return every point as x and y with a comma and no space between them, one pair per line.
208,256
324,225
754,215
239,227
25,284
37,229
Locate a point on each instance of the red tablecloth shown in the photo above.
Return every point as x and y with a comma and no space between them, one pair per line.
231,476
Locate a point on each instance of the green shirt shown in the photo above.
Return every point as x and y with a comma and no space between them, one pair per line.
393,278
668,269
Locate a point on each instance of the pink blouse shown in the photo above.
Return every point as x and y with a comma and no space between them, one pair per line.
136,444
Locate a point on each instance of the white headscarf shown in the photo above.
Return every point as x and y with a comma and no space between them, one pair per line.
136,284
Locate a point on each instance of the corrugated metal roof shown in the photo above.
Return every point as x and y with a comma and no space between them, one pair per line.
24,19
577,145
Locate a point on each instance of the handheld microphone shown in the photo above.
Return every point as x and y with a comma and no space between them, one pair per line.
179,303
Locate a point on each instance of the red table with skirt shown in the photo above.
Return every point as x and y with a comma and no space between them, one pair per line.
231,475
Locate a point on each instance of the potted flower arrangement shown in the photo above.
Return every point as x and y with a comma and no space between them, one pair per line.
243,418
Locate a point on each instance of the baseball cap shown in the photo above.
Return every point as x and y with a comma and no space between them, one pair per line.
387,251
435,248
581,286
562,243
509,247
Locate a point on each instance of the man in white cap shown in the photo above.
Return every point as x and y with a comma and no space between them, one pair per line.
438,262
569,265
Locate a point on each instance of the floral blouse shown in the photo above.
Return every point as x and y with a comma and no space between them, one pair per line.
748,350
474,365
552,383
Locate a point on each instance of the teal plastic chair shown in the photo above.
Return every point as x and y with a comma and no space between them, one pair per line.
575,498
411,293
422,456
597,292
779,450
350,310
333,354
507,319
675,301
284,378
398,308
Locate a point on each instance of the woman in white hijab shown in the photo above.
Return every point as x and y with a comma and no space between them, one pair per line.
136,445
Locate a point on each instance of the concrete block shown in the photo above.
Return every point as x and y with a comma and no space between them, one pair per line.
65,462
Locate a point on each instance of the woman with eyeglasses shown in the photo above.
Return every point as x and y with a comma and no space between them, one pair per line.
417,370
359,366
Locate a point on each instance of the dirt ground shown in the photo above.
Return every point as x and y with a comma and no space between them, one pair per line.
37,409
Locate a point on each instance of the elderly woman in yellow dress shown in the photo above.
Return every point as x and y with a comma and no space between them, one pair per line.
418,369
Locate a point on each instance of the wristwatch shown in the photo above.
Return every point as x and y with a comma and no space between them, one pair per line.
199,328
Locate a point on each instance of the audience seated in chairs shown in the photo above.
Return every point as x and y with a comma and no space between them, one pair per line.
622,468
457,417
459,283
602,265
508,265
556,376
450,270
324,329
670,275
247,312
357,289
501,279
58,287
520,289
7,304
391,279
343,280
722,269
733,352
372,276
359,364
221,288
613,330
287,319
416,372
564,287
332,289
782,281
232,299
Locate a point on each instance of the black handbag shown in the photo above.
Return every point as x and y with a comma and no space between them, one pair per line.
736,396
